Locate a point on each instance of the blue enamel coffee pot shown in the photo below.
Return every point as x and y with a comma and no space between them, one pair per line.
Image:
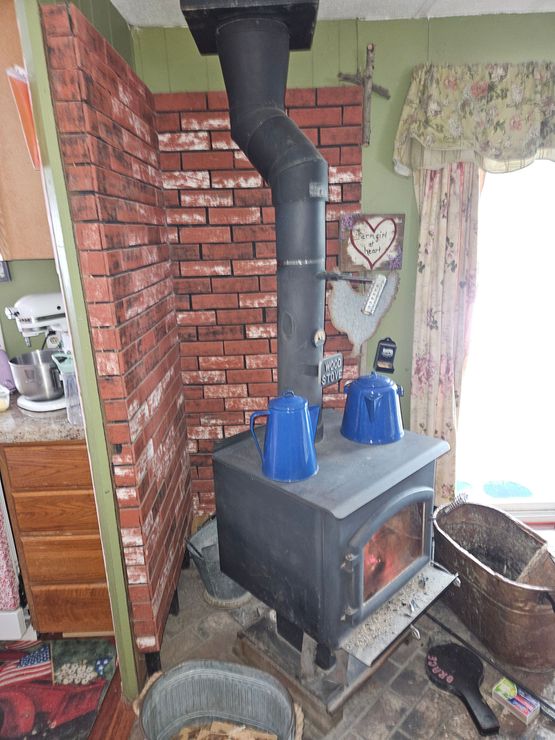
289,453
372,414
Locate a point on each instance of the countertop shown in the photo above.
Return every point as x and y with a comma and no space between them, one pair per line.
18,426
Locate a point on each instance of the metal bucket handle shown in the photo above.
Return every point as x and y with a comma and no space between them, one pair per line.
189,545
546,596
459,500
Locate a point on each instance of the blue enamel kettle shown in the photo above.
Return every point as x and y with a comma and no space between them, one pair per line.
372,414
289,453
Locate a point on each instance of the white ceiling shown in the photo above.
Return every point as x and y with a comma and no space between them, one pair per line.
167,12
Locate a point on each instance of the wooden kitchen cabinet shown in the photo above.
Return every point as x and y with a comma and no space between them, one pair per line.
24,230
49,494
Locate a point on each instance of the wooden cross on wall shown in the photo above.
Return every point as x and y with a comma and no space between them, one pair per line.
369,86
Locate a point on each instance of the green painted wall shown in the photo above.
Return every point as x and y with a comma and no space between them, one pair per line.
167,60
39,276
108,21
64,243
28,276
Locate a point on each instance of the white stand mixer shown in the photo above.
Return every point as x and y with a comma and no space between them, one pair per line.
35,314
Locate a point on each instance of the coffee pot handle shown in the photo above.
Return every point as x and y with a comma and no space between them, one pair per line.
254,415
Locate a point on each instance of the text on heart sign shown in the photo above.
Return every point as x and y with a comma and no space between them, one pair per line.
371,242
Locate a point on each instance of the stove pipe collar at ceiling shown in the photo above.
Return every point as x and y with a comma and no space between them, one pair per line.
253,40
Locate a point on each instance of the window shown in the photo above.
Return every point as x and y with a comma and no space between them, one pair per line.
506,440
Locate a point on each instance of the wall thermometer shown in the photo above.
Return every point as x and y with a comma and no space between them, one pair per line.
376,289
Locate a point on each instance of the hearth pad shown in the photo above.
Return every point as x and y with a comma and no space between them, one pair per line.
322,694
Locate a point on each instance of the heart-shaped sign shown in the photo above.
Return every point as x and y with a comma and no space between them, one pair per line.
372,239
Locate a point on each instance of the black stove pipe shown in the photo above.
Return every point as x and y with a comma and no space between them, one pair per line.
253,39
254,55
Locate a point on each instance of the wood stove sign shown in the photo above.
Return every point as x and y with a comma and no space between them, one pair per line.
331,370
370,241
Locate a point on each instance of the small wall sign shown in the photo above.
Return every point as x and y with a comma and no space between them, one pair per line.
371,241
331,370
385,355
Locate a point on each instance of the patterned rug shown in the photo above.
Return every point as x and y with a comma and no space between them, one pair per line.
53,689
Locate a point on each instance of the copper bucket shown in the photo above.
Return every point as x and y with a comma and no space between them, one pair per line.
507,592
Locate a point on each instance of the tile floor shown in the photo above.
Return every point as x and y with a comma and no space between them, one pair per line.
398,702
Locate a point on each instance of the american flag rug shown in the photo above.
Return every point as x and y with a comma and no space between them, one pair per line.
53,689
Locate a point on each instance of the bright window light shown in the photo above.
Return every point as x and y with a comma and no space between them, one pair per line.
506,440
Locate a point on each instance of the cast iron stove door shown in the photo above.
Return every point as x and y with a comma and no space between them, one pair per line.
388,550
394,547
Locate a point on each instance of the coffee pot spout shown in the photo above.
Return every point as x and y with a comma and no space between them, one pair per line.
371,400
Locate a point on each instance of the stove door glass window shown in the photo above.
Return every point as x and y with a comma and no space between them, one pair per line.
393,548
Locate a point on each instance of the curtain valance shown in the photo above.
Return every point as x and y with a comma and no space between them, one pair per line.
499,116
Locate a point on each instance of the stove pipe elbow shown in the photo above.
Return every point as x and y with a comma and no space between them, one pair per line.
254,56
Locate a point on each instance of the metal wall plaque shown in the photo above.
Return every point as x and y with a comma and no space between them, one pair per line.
331,370
371,241
385,355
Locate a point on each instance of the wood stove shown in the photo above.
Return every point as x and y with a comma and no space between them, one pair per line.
328,551
356,539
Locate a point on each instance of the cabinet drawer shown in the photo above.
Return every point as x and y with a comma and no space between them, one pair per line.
63,559
48,466
73,608
51,511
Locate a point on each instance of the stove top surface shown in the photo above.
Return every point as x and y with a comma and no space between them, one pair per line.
350,474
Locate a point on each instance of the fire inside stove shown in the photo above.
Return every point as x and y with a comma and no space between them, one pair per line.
397,544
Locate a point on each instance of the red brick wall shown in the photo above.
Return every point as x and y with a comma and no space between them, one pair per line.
109,145
221,231
175,232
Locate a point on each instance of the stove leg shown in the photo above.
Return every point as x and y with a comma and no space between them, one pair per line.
174,605
323,656
153,664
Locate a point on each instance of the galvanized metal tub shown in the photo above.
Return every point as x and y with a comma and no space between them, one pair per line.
197,692
491,551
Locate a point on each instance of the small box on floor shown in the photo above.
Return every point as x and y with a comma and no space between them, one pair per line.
517,701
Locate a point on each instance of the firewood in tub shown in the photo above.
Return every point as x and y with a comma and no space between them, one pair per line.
220,730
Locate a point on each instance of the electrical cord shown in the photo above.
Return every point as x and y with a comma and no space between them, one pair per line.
545,706
46,337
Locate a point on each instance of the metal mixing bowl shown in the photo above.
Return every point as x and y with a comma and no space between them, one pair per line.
36,376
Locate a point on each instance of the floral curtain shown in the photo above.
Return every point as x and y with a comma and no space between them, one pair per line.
457,119
445,287
499,116
9,591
